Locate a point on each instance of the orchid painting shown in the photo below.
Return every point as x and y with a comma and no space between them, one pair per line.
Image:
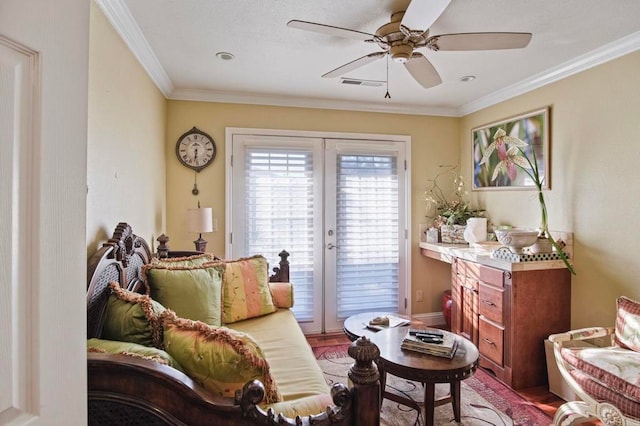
496,160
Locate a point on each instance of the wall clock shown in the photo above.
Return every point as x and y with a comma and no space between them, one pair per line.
196,149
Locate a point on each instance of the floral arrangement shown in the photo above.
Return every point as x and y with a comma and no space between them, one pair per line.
453,210
511,156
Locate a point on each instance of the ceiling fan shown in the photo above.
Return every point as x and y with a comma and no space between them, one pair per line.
401,38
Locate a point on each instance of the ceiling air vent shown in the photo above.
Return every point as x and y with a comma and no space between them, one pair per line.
359,82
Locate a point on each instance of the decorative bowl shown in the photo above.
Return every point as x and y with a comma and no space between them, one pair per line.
516,239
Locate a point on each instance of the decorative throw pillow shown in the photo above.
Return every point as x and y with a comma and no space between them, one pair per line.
132,317
191,292
193,260
282,294
218,358
245,289
134,350
628,323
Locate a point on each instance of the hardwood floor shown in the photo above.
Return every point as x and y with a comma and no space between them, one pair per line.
539,395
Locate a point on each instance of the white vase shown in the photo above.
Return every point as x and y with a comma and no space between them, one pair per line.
476,230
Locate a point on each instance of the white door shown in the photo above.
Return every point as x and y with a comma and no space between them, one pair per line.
364,229
43,120
337,205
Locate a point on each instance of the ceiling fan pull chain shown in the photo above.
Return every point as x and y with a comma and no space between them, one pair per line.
387,96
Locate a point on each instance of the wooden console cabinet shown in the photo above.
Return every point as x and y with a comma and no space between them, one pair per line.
508,315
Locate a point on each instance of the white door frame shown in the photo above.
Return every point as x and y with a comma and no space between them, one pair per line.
231,131
43,143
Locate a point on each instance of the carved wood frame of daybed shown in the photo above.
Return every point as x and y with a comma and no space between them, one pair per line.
125,390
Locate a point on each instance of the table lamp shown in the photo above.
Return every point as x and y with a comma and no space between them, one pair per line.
200,221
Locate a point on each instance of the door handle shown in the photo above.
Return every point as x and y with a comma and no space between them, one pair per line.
331,246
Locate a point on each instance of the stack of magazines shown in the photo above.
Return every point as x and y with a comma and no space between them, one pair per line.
430,341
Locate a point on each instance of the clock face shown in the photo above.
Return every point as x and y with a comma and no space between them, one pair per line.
196,149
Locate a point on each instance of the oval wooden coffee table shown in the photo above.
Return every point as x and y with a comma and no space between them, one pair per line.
426,369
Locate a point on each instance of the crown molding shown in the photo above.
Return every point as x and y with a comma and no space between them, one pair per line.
121,19
606,53
299,102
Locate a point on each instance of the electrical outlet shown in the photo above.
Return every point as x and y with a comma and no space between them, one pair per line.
419,295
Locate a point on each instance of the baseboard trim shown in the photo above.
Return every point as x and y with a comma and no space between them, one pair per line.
431,319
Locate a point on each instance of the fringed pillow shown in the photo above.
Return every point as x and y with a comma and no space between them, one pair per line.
132,317
191,292
133,350
245,289
193,260
218,358
627,333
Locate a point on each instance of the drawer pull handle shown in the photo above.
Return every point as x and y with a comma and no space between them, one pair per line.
488,341
488,302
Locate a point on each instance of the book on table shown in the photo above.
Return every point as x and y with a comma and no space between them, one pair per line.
387,321
431,342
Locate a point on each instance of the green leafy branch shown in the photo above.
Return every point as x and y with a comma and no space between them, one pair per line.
512,157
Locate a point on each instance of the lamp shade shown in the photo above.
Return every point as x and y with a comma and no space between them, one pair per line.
201,220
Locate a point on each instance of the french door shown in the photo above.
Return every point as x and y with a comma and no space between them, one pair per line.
338,206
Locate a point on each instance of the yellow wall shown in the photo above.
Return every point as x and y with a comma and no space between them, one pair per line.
434,141
595,157
126,138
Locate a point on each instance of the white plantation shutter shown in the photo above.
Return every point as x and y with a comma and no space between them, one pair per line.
279,205
367,272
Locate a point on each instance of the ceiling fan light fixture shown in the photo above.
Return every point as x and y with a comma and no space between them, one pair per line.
401,53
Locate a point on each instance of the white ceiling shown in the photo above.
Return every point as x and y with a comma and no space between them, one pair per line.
176,42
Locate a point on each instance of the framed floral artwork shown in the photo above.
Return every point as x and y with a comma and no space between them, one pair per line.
496,152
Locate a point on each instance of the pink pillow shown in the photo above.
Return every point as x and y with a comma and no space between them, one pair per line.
628,323
282,294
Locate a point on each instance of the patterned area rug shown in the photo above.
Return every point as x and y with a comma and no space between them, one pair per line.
485,401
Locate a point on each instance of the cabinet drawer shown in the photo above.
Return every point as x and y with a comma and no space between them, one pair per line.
490,340
480,272
490,302
492,276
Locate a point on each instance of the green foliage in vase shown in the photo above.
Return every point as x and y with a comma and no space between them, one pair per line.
452,210
511,156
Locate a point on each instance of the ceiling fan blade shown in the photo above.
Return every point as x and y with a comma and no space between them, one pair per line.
360,62
421,14
479,41
330,30
423,71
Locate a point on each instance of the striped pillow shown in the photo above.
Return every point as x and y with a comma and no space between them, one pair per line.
245,289
628,324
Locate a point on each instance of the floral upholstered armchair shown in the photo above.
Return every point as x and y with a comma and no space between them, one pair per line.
607,379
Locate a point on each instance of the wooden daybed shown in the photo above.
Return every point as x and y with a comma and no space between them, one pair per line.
125,390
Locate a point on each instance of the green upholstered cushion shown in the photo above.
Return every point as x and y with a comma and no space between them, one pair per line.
132,349
193,260
245,289
627,333
132,317
218,358
290,357
191,292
